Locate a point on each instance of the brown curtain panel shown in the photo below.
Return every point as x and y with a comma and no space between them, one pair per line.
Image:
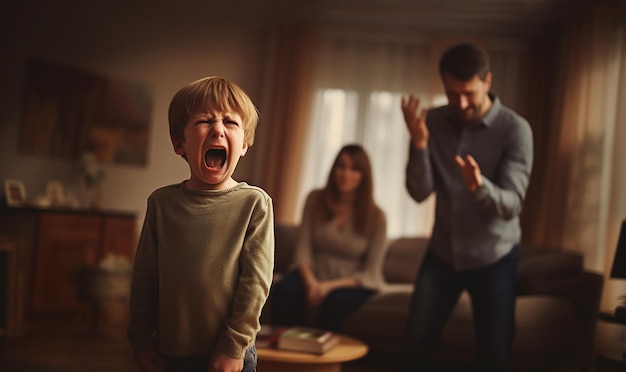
285,115
568,77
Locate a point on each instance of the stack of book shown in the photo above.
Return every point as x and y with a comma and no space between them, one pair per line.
308,340
302,339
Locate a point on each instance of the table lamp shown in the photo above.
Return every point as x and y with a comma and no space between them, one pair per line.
619,267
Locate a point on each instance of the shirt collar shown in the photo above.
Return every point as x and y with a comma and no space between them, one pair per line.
490,118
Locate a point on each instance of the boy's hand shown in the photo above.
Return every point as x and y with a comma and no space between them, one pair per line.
221,362
415,123
148,360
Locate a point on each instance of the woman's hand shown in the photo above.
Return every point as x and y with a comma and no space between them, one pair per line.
318,292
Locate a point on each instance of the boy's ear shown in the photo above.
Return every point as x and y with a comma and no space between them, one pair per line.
178,146
244,150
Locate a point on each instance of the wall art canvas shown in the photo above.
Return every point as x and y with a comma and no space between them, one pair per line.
68,111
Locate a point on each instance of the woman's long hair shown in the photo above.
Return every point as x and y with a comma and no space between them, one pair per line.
365,210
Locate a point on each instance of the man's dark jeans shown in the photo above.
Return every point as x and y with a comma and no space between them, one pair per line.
437,290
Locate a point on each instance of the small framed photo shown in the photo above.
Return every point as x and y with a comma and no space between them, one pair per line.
15,193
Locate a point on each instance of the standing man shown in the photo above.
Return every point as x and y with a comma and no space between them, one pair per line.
476,155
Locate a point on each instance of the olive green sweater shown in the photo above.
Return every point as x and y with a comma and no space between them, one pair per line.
202,270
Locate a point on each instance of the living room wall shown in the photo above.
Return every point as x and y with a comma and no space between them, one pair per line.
161,46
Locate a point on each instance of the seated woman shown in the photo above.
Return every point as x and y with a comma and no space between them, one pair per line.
341,248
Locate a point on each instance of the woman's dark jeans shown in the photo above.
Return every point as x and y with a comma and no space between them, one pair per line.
289,303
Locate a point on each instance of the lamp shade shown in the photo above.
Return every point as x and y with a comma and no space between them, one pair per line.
619,261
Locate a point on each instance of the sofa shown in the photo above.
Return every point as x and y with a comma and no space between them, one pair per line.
556,309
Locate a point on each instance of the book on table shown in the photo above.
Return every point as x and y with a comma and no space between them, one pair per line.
308,340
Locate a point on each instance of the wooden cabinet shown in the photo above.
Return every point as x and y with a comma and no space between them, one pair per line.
11,290
118,236
62,242
65,243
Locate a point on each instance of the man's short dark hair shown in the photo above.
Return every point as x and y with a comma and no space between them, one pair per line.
464,61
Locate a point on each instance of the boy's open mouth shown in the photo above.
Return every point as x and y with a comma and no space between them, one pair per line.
215,158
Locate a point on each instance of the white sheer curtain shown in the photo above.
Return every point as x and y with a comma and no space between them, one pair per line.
613,175
359,81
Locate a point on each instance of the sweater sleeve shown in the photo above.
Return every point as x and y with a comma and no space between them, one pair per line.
144,288
371,274
256,269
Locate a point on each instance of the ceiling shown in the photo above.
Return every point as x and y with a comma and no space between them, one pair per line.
502,16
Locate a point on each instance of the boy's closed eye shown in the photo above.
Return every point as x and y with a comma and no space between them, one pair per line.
225,121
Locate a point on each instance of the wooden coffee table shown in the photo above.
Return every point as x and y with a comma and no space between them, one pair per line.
275,360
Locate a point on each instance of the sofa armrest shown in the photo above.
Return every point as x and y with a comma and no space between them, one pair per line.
587,296
547,271
584,290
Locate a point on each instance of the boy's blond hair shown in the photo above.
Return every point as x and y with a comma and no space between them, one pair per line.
223,93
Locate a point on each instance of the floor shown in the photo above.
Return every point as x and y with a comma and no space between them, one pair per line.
63,344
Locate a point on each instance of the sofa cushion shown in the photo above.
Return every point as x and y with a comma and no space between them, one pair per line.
404,258
533,315
381,320
549,262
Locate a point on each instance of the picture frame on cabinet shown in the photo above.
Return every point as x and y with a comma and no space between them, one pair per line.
15,193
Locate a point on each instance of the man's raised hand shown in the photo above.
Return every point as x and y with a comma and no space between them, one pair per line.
416,123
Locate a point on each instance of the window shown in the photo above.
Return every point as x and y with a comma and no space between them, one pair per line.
358,87
375,121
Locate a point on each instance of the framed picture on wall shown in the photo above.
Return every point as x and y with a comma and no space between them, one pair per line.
68,111
15,193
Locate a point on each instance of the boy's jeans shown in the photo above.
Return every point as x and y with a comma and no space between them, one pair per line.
200,363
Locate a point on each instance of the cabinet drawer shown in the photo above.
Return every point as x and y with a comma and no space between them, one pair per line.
76,226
